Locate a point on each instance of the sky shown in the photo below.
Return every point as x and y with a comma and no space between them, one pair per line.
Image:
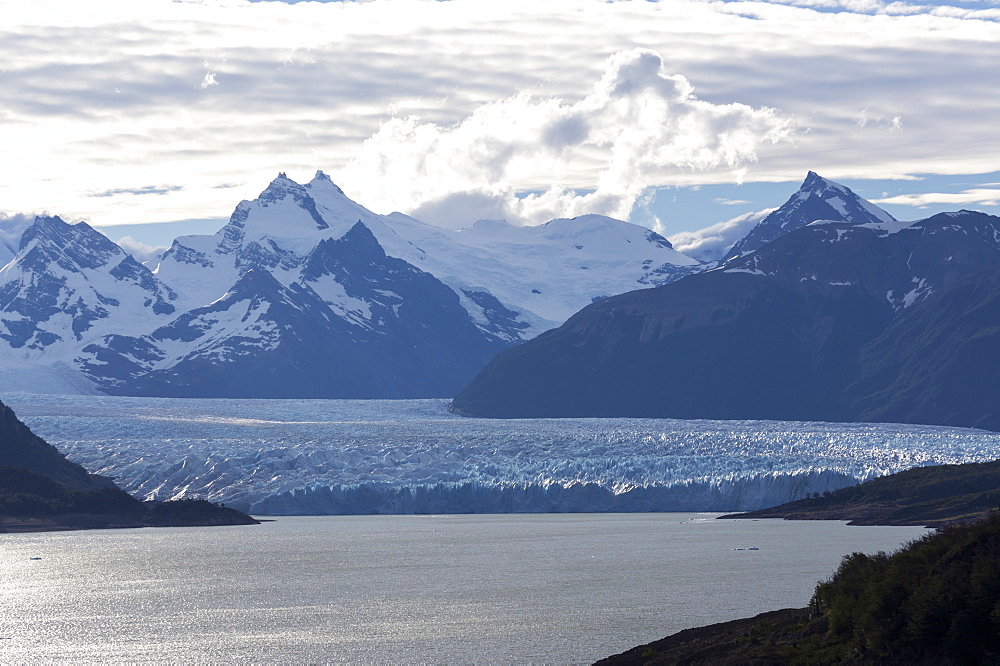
680,115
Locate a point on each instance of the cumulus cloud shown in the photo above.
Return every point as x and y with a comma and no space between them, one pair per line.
712,243
640,125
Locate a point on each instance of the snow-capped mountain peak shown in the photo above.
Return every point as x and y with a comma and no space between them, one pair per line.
399,307
539,275
69,283
321,180
816,199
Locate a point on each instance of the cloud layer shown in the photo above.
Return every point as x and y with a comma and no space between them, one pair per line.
981,196
714,241
467,109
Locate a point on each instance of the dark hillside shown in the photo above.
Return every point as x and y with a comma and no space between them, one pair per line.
931,496
715,346
41,490
934,602
833,321
939,363
19,447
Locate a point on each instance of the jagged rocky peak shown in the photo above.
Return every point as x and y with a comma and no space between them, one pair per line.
66,284
44,226
816,199
278,187
51,242
56,234
296,216
850,206
283,188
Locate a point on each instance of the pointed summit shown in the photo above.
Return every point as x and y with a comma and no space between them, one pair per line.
283,191
816,199
45,226
322,181
812,180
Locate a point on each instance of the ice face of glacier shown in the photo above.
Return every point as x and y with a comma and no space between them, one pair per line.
284,457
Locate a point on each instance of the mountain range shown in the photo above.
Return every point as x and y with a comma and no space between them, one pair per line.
829,309
853,316
305,293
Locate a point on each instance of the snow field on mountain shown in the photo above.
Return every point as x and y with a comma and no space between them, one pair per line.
301,268
275,457
544,273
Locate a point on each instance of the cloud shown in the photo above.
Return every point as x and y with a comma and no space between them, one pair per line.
140,251
980,196
731,202
898,8
713,242
147,189
11,229
638,126
864,119
118,104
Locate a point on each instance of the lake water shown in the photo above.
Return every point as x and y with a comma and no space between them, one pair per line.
564,588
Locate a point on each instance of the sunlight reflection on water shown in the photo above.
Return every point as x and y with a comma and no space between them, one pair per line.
502,588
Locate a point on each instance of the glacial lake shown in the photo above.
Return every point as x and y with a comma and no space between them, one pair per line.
515,588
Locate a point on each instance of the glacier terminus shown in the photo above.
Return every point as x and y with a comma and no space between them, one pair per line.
314,457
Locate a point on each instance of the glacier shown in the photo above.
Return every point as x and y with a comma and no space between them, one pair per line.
327,457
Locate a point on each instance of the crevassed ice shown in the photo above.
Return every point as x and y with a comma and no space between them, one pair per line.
275,457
